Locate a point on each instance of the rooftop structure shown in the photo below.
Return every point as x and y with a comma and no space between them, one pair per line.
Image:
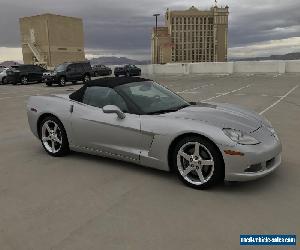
49,40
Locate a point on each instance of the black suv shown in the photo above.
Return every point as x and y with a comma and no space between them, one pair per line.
24,74
101,70
69,72
127,70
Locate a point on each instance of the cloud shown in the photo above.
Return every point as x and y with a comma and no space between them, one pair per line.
124,27
10,54
278,47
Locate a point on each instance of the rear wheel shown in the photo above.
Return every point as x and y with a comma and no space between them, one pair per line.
53,137
24,80
62,81
198,162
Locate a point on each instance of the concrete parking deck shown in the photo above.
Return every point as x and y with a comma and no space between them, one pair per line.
88,202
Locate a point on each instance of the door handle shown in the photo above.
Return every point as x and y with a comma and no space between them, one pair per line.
71,108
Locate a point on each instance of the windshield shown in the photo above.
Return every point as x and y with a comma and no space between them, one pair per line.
61,67
152,98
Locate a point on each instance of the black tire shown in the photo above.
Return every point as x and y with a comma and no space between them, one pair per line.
24,80
64,148
96,74
127,74
116,75
74,82
86,78
214,174
62,81
49,84
4,81
14,83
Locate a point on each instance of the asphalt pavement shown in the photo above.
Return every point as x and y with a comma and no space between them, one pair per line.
88,202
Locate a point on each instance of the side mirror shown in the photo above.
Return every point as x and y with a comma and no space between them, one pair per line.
112,109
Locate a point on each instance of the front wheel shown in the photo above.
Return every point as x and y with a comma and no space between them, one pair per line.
4,80
54,137
62,81
198,162
24,80
86,78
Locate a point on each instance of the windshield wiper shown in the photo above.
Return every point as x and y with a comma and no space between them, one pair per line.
168,110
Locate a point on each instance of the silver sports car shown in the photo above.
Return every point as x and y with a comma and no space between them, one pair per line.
140,121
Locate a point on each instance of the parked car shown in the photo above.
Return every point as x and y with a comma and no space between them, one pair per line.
69,72
101,70
25,74
137,120
127,70
3,75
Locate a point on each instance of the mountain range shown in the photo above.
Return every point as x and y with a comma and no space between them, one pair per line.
289,56
8,63
112,60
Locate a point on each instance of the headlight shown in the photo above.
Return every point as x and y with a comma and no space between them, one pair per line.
269,126
266,122
240,137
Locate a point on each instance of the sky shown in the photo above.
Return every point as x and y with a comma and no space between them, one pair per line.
123,28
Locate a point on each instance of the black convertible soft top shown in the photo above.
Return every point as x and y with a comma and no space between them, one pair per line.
110,82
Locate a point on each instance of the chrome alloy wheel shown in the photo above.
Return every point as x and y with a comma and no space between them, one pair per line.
24,80
62,81
195,163
86,78
51,136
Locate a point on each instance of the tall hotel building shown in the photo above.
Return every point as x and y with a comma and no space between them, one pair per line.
192,35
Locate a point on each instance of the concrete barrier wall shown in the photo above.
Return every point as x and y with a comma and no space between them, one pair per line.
211,68
257,67
292,67
280,67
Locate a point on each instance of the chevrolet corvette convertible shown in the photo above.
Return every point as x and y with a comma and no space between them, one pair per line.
137,120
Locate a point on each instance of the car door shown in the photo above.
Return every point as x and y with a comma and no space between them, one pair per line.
25,70
71,72
79,72
106,134
37,73
31,72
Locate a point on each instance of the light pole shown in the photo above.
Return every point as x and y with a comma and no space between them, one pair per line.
156,40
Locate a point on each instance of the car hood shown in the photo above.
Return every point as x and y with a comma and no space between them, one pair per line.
63,96
221,115
48,73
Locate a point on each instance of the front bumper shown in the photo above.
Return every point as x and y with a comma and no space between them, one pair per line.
257,161
50,79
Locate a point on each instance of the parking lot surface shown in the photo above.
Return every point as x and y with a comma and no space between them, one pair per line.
88,202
